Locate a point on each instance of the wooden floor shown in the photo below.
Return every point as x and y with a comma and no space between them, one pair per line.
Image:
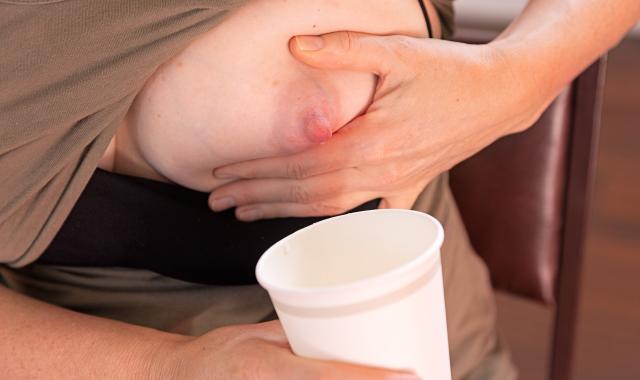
608,346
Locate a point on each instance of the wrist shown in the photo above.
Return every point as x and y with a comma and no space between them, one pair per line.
536,71
155,356
554,40
519,92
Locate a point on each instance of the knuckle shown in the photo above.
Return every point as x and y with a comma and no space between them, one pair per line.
326,209
299,194
403,53
403,45
347,40
244,195
296,169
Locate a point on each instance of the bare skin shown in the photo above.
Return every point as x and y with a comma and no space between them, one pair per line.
49,342
302,107
237,93
439,103
41,341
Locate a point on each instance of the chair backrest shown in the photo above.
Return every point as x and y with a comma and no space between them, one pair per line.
514,195
524,201
511,198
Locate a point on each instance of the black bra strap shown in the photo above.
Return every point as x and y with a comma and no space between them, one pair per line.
426,17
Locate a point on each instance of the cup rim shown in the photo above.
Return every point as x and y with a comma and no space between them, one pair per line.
423,258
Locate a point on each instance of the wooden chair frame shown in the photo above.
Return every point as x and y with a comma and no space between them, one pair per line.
583,140
584,119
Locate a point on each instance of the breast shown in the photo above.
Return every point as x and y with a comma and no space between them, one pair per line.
236,93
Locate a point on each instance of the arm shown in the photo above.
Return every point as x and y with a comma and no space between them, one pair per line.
40,341
552,41
436,104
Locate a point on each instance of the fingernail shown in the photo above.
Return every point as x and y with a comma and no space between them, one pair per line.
249,214
221,204
309,43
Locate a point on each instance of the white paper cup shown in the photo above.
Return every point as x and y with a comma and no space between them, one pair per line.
364,288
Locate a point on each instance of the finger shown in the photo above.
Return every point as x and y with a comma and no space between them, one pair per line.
329,207
336,370
344,371
273,332
303,191
272,328
398,202
342,151
345,51
404,200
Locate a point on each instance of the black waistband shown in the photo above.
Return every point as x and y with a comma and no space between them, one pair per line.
133,222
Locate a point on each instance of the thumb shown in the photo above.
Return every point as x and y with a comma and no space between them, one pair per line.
345,51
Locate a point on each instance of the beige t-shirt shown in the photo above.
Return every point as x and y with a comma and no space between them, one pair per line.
69,71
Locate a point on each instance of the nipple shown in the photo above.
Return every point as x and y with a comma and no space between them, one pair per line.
304,130
318,129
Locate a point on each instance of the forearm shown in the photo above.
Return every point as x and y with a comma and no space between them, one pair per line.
38,340
552,41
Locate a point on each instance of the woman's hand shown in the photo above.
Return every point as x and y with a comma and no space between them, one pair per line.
436,103
254,352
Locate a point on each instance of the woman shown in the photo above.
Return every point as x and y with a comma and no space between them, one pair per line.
199,354
179,128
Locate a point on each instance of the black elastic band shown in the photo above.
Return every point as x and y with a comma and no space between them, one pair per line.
426,17
122,221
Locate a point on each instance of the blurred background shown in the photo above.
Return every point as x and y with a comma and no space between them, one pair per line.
608,327
608,331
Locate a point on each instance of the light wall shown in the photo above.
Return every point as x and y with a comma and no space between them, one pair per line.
496,14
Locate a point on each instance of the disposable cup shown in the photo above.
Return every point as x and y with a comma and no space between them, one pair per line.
364,288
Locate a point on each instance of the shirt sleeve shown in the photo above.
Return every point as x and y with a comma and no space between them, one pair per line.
69,70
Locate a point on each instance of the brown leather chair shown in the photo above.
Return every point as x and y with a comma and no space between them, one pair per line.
525,198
